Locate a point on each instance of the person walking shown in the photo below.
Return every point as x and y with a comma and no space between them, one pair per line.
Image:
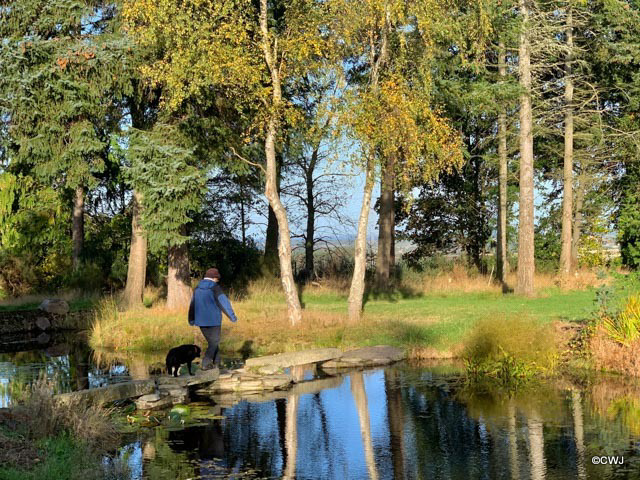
205,311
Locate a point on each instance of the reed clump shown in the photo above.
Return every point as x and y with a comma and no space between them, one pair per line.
510,350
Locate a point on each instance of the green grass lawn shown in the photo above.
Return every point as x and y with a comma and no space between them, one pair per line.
442,320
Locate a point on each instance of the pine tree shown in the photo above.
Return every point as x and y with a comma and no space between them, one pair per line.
56,69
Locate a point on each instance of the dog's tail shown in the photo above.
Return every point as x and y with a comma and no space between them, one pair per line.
168,367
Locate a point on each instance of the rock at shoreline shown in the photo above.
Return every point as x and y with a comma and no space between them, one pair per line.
290,359
108,393
55,306
366,357
154,401
43,323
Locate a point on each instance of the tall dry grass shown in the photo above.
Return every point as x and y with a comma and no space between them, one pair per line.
41,416
460,279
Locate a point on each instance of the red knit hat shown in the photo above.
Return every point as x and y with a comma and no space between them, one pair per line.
212,273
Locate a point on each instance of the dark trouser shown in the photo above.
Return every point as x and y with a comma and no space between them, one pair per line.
212,334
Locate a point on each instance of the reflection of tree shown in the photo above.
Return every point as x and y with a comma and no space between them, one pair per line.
578,431
291,427
291,437
395,416
360,399
79,359
513,440
536,446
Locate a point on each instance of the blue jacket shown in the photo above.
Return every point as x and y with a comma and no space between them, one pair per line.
207,304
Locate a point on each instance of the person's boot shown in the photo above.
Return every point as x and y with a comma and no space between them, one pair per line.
207,364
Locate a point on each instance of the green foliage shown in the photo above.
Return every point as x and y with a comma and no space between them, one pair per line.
510,350
547,242
629,225
624,326
238,264
164,171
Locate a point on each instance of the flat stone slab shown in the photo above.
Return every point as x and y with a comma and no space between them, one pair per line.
201,377
366,357
290,359
154,401
109,393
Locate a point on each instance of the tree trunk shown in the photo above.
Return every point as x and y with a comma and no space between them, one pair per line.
271,190
77,232
179,277
271,240
502,260
385,224
360,254
577,221
360,399
243,223
311,218
137,268
567,199
526,262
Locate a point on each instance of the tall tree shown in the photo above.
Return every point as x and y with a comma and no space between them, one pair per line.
567,197
389,105
142,108
502,264
246,52
168,177
526,262
56,70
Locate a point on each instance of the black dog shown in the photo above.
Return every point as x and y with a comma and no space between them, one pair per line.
179,355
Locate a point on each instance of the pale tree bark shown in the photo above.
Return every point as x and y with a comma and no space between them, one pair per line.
577,220
536,447
77,230
567,199
360,398
360,255
179,277
502,258
385,225
136,271
356,290
526,262
578,432
271,191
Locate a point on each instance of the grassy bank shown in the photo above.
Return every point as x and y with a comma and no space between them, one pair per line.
428,322
42,439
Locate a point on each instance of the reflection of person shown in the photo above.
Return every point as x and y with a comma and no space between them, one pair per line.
207,304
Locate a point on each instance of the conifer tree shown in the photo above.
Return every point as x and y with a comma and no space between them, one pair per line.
56,72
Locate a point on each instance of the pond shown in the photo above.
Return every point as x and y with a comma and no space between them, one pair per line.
400,422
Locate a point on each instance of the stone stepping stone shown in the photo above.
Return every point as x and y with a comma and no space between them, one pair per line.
290,359
154,401
366,357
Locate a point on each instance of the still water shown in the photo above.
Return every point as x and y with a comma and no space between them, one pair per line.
401,422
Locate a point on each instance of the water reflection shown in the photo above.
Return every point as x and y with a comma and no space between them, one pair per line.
395,423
